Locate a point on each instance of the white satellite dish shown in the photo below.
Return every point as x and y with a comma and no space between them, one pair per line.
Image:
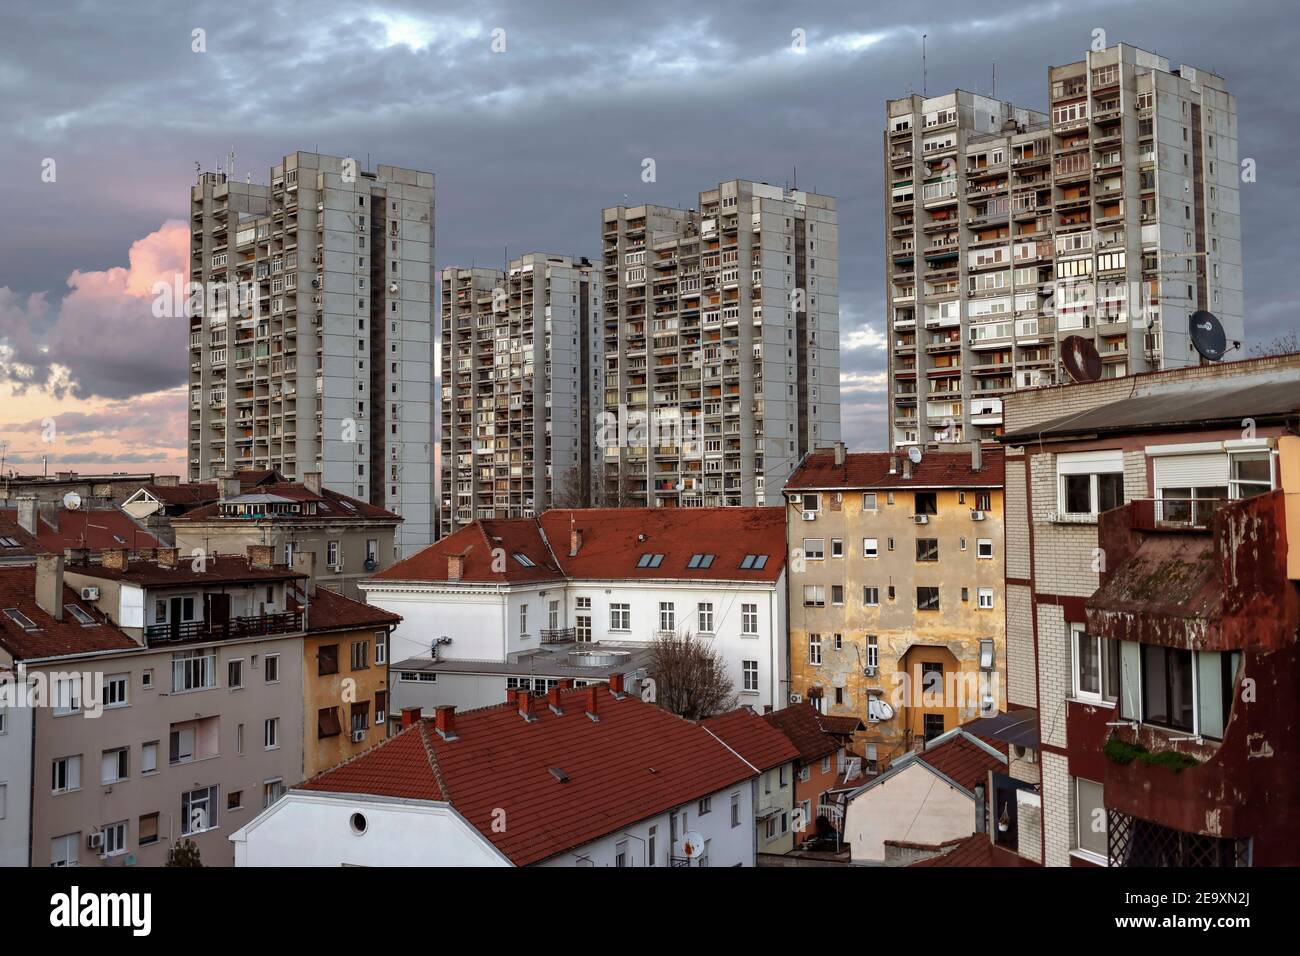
692,845
914,453
72,501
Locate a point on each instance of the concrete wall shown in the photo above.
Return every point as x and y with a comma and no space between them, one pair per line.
912,806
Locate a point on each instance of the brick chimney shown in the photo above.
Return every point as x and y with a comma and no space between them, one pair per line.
593,695
553,699
114,558
168,557
27,515
893,464
444,721
261,556
524,701
410,715
455,566
304,562
976,456
311,481
575,541
907,468
616,685
49,584
77,557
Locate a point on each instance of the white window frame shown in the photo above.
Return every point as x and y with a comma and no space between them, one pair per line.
984,598
749,620
704,617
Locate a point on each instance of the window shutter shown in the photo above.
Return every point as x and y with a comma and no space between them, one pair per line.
1191,471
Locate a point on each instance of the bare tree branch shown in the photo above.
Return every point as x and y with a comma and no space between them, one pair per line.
690,677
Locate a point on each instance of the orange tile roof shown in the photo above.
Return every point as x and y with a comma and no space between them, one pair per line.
867,470
329,611
330,505
634,762
811,731
757,741
94,529
52,638
964,762
976,850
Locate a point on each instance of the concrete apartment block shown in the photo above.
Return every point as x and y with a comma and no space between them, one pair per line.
312,347
726,316
1114,215
520,357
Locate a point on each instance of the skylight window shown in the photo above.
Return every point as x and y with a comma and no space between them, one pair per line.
649,560
21,619
79,615
700,561
7,542
525,560
753,562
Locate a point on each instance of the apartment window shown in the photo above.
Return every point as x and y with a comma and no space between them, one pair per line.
868,501
381,647
814,649
235,674
984,547
198,810
933,726
837,547
149,757
327,660
927,599
272,790
327,723
871,596
652,839
985,598
64,850
705,618
927,502
813,549
114,835
360,715
67,696
146,678
332,554
1096,665
115,690
272,668
113,765
814,595
749,675
66,774
194,670
148,829
620,854
1090,817
1167,697
873,651
523,620
360,655
749,619
582,630
620,617
704,806
927,549
667,616
271,733
1090,482
870,548
837,594
735,810
812,501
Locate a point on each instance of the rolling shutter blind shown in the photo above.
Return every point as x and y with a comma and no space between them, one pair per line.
1192,471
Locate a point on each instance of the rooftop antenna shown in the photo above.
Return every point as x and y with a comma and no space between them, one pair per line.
924,74
230,164
994,94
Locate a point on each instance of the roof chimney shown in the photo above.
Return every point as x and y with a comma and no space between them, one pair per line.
311,481
893,464
113,558
305,563
444,721
839,454
976,455
410,715
907,468
616,685
167,557
575,540
49,512
49,584
593,694
261,556
455,566
553,699
27,515
228,486
77,556
524,701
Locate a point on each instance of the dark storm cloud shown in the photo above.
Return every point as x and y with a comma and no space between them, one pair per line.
529,144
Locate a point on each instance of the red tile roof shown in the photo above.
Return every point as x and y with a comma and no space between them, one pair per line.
634,762
28,546
613,541
330,505
224,568
976,850
867,470
334,612
749,735
52,638
96,530
810,730
963,761
189,494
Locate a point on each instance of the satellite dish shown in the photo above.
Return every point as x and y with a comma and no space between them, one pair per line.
72,501
914,454
692,844
1081,359
1207,335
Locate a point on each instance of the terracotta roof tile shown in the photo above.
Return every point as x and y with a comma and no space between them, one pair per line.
52,638
635,761
759,742
97,530
219,568
867,470
963,761
976,850
334,612
810,730
330,505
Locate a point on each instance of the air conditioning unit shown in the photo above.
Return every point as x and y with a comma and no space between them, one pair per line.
921,519
90,594
870,670
977,515
392,287
358,736
810,516
95,841
336,568
796,698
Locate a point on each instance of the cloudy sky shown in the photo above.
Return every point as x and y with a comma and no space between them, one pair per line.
112,103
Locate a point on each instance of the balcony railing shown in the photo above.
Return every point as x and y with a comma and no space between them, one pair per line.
259,625
557,635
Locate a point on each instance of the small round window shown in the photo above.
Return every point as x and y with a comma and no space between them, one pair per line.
358,823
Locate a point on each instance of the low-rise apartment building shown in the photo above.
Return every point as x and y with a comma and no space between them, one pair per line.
1153,613
772,756
822,742
603,581
596,777
896,605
